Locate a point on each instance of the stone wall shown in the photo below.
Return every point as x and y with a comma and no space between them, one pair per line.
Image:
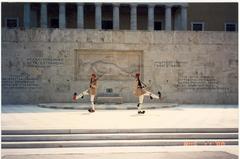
48,65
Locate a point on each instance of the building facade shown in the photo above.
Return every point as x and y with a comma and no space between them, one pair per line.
122,16
50,50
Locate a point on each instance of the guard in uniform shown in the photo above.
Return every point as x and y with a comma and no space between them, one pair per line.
140,92
92,91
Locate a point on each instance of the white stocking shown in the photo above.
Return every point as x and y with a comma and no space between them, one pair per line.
151,94
92,101
140,102
82,94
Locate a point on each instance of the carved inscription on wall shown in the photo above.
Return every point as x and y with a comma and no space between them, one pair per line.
115,65
62,87
44,62
199,82
166,64
20,82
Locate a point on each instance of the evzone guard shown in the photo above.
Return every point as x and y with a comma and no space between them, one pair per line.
140,91
92,91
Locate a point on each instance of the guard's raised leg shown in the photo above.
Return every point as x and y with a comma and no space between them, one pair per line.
81,95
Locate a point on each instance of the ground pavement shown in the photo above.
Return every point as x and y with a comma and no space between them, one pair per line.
33,117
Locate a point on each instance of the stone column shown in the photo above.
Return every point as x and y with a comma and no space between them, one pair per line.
80,16
116,16
168,17
43,18
26,16
151,17
133,16
183,17
98,16
62,15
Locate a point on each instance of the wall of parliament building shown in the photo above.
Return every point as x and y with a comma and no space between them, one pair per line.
187,51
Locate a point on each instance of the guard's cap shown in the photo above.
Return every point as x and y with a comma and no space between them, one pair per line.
137,74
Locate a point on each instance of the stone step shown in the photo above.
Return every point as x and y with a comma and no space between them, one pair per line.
107,131
118,136
105,106
118,143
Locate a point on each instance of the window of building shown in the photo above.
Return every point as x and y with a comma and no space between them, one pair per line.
157,25
197,26
12,22
230,27
54,23
107,24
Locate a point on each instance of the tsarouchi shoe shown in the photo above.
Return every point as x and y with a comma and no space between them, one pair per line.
141,112
91,110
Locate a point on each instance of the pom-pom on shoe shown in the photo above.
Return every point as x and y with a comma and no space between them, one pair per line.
74,98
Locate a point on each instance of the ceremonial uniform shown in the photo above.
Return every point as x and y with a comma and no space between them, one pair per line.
140,92
92,91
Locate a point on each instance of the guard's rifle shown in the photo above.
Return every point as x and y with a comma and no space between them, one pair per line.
144,85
